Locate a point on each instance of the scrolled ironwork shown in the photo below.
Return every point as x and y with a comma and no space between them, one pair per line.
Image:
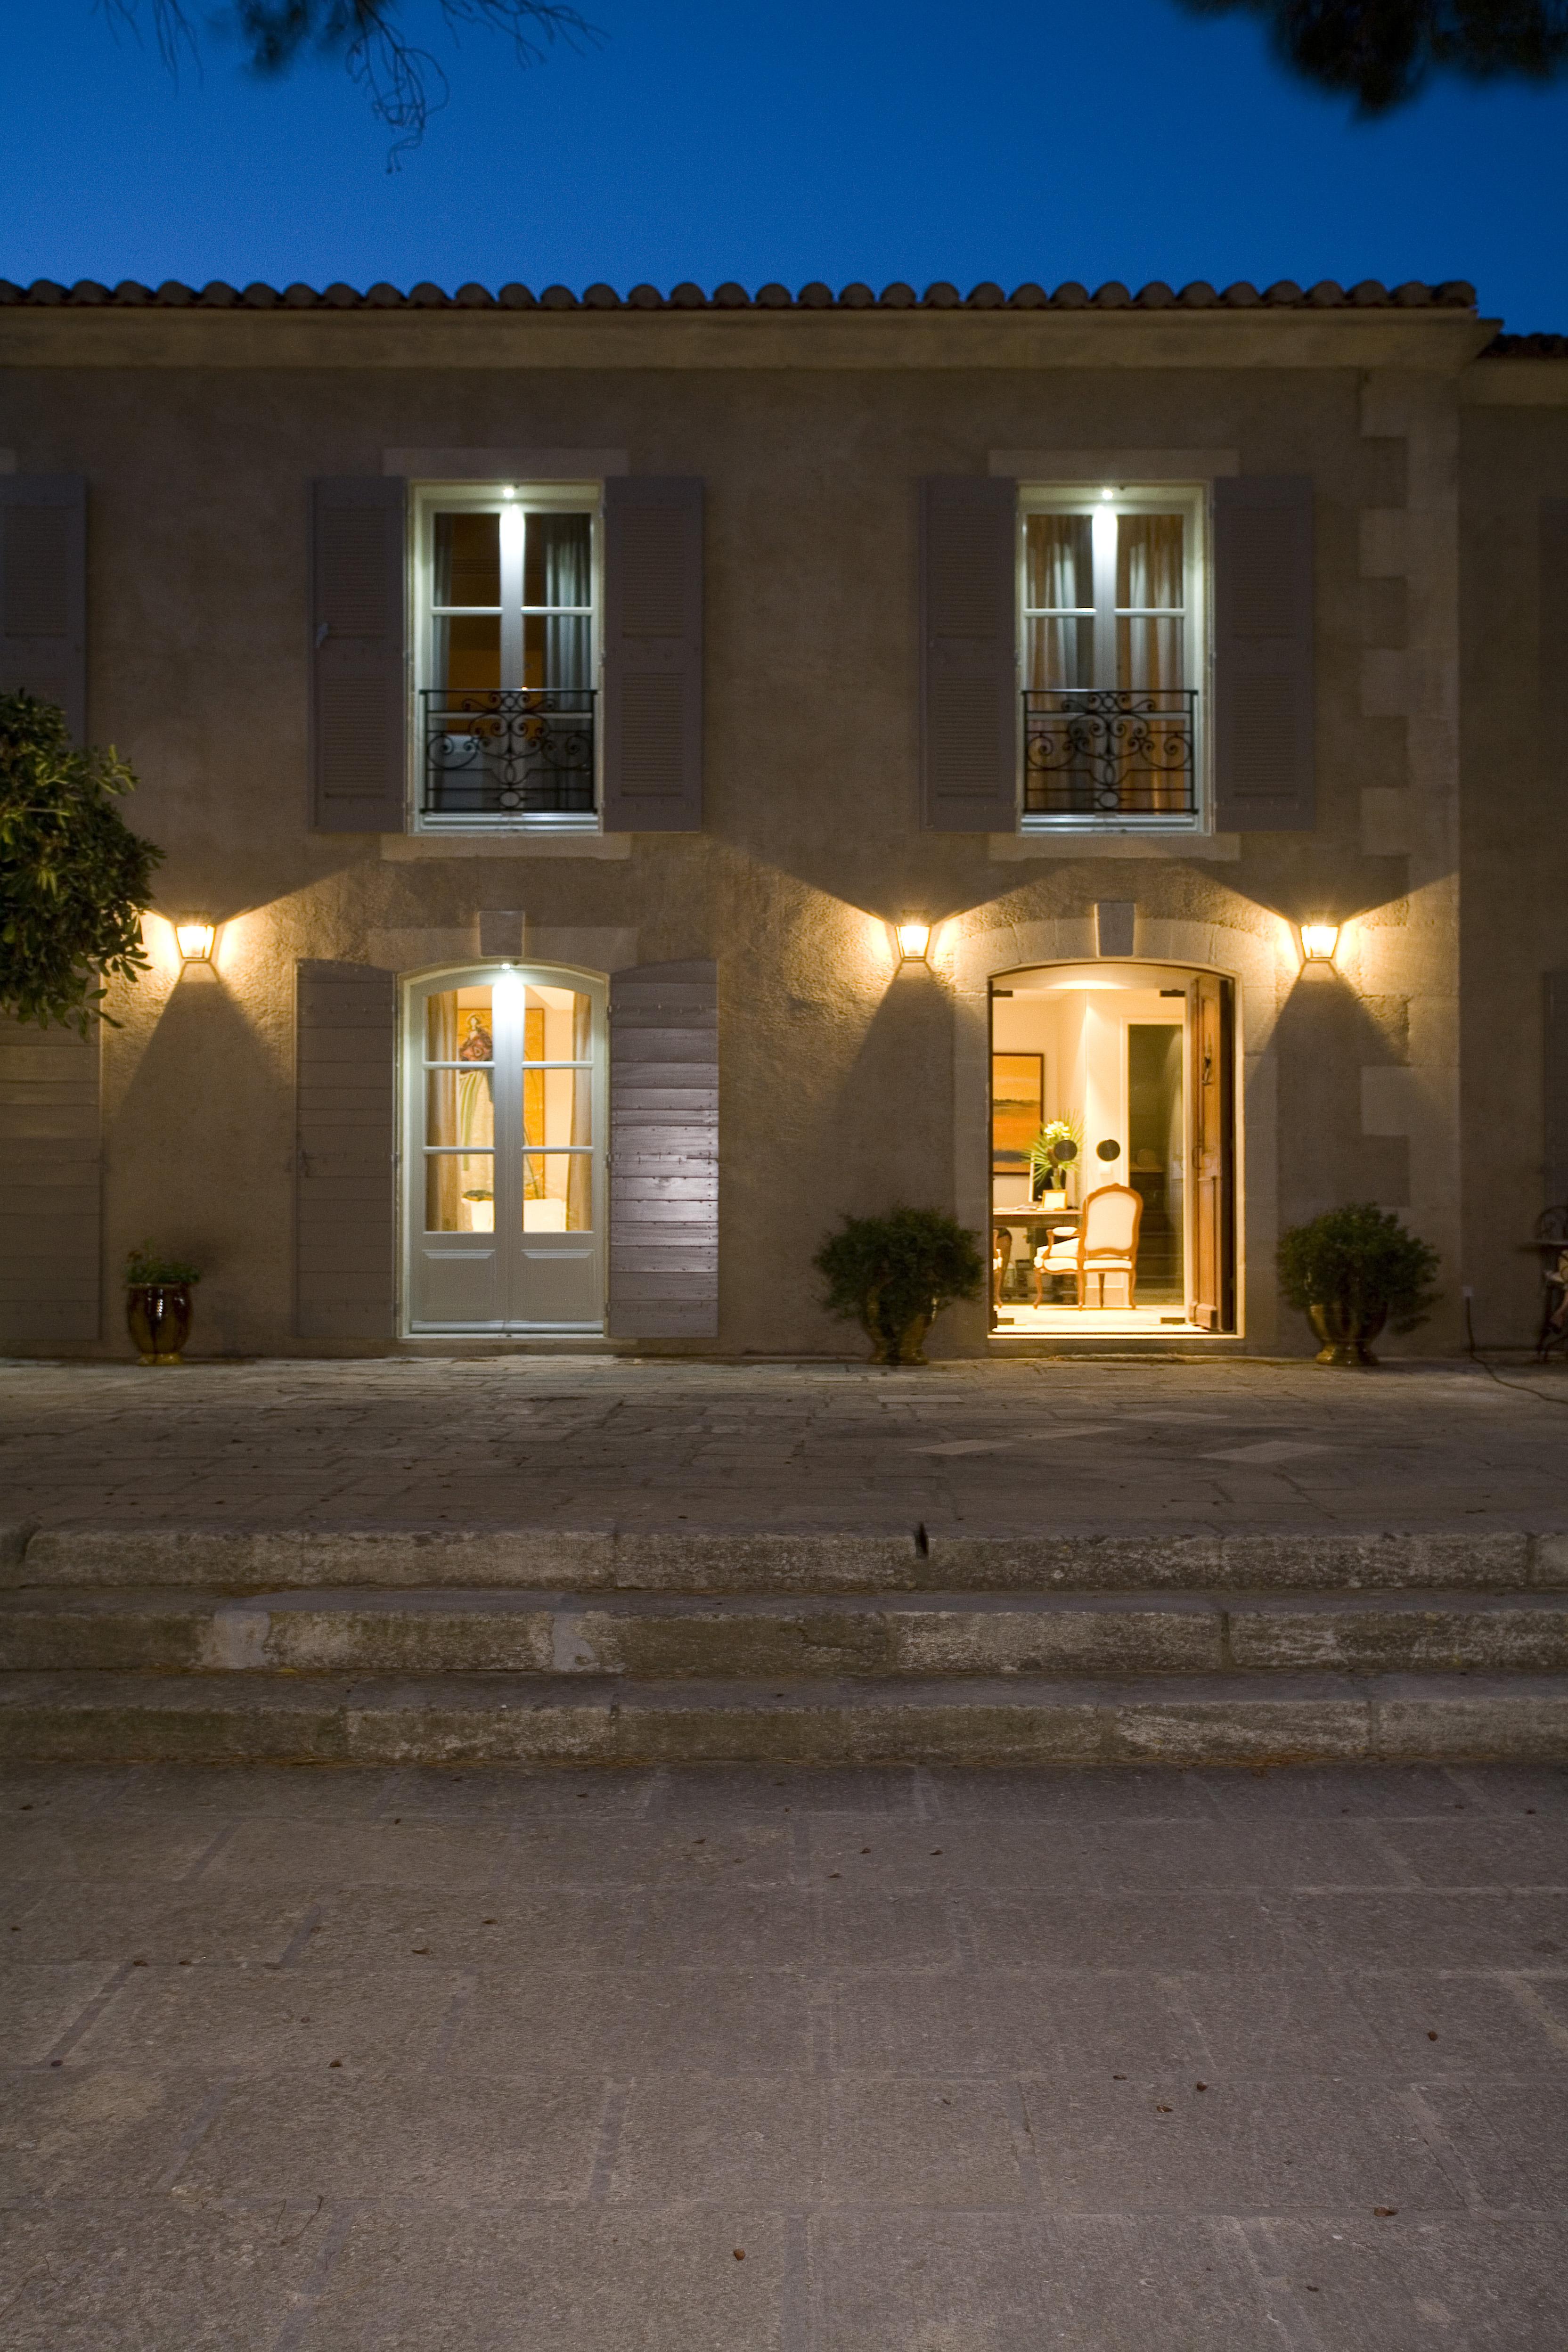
1109,751
509,751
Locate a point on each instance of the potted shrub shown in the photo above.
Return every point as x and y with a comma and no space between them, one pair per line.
158,1302
1352,1270
894,1273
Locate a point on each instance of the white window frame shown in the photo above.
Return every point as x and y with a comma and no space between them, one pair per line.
522,499
1192,500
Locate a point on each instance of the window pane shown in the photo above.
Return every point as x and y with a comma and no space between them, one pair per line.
557,559
557,1025
468,655
1060,653
1149,654
1058,562
557,1192
555,650
557,1106
1149,561
457,1026
468,559
459,1193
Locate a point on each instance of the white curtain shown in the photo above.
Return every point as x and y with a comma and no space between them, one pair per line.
1149,579
1058,577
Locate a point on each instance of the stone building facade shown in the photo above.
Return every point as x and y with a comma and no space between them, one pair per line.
556,705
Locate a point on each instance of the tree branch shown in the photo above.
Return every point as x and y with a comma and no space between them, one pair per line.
1381,52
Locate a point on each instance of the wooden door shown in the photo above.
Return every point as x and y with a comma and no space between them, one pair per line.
1210,1284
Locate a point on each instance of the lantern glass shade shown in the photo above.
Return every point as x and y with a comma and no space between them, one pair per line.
195,942
1319,941
914,938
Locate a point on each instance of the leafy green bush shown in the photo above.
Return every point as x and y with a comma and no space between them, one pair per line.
887,1271
145,1263
1362,1259
74,878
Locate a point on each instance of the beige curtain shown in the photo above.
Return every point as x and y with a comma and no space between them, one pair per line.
1149,574
443,1183
1150,652
580,1178
1059,574
533,1103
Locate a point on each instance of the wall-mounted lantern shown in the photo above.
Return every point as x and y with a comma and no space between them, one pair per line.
195,940
1319,941
913,936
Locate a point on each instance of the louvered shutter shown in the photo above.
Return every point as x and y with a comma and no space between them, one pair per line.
43,591
345,1196
1555,1090
664,1151
969,654
50,1176
1264,754
653,653
359,688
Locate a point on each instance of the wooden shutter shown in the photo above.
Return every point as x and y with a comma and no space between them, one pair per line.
358,686
969,654
345,1195
1210,1279
653,653
1556,1079
43,591
1264,753
1554,646
50,1174
664,1151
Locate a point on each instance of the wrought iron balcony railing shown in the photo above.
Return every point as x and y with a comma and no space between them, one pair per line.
1094,752
508,751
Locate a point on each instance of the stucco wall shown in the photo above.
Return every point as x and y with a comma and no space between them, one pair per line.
844,1083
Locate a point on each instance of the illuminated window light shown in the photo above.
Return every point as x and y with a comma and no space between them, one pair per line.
194,941
1319,941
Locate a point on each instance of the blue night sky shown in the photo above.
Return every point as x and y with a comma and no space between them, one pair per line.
1006,139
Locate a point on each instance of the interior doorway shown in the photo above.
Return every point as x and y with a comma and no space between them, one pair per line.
504,1118
1113,1152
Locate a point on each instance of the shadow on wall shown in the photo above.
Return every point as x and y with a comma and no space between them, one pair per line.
881,1135
1326,1035
189,1146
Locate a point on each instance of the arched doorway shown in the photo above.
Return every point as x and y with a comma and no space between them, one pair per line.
1115,1080
504,1119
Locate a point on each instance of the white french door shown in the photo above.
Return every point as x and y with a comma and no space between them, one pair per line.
504,1116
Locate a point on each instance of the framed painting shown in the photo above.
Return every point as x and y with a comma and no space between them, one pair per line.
1017,1109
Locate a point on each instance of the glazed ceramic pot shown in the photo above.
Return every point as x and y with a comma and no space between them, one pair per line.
1345,1332
158,1316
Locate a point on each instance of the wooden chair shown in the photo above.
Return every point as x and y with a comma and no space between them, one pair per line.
1106,1242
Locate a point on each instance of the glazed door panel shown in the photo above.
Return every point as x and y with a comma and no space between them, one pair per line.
503,1154
1208,1153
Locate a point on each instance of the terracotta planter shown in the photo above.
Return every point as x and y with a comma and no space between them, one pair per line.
158,1317
904,1346
1345,1332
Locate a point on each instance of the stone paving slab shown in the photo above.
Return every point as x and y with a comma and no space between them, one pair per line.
774,2060
568,1443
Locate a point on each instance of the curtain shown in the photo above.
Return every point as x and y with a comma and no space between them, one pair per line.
580,1167
443,1186
560,567
1058,568
1149,574
533,1168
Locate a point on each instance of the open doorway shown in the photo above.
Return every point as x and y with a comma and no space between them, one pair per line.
1112,1152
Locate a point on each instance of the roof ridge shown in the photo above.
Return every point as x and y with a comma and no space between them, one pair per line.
87,293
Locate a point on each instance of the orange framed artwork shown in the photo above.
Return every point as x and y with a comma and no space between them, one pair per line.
1017,1109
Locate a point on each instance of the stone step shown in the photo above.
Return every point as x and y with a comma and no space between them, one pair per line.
486,1718
917,1560
663,1637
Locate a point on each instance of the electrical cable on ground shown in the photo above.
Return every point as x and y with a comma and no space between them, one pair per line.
1523,1387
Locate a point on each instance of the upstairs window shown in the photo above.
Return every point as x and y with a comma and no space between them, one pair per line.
508,659
1112,619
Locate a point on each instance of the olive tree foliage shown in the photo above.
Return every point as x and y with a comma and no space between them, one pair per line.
74,878
1381,52
404,83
